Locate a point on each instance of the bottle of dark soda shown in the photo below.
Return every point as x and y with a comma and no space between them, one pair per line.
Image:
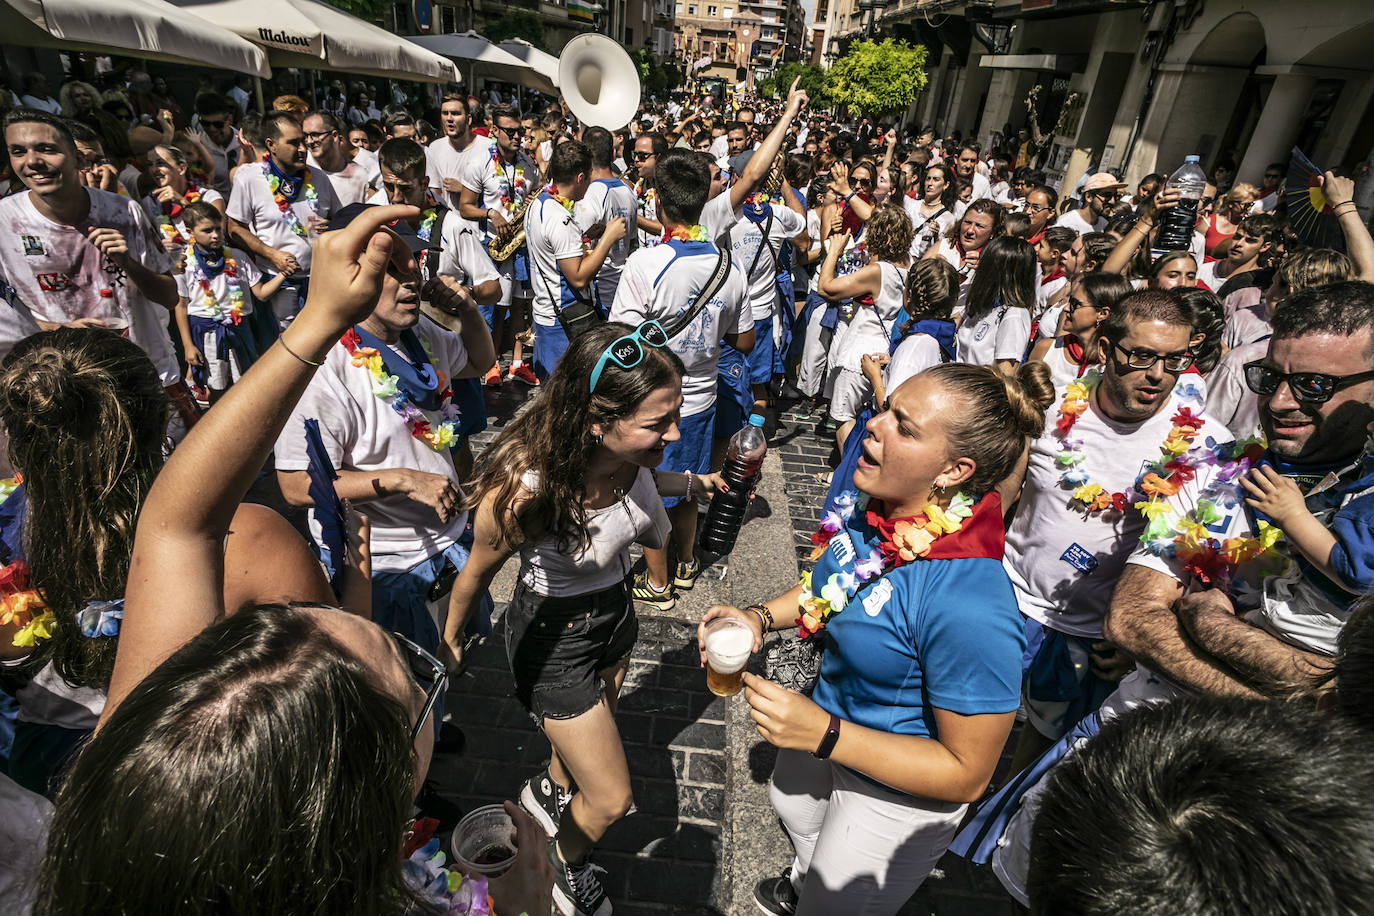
743,464
1176,225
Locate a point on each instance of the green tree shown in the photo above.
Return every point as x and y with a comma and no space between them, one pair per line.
654,77
516,24
876,78
812,81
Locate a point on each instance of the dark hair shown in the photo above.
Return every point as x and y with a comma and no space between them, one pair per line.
199,211
553,439
1337,309
1264,226
1208,806
90,403
1144,305
402,156
735,125
1096,247
1060,238
969,145
1209,320
1105,290
459,97
931,291
1005,277
601,145
1353,671
1001,413
33,116
659,144
569,160
84,135
1048,191
398,119
258,769
682,181
213,103
797,168
816,190
274,122
1017,225
253,129
497,112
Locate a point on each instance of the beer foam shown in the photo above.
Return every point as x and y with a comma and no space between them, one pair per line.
728,648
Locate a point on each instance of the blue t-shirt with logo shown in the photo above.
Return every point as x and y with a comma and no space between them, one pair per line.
929,634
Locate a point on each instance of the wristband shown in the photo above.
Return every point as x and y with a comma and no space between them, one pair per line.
688,495
764,614
763,627
832,734
282,341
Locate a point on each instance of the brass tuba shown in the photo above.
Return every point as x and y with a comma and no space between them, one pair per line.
510,237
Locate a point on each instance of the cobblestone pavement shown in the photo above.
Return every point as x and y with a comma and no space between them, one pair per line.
702,831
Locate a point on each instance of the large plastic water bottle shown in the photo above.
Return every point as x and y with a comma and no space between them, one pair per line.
1176,228
743,465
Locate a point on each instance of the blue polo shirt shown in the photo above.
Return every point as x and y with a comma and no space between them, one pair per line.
930,634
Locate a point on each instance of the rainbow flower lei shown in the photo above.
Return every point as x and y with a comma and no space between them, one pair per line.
168,213
427,220
566,202
235,292
1167,476
274,185
442,436
511,196
452,892
903,541
693,233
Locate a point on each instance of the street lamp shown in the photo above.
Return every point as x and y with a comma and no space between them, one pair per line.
870,10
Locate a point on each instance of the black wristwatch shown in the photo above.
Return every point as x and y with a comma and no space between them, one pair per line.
832,734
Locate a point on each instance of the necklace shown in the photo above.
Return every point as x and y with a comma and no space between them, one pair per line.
512,182
1166,476
427,219
902,540
286,190
693,233
170,211
567,202
208,269
388,388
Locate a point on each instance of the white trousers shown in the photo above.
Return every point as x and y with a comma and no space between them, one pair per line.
862,849
811,373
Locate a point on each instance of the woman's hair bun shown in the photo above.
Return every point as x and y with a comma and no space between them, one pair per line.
52,390
1031,393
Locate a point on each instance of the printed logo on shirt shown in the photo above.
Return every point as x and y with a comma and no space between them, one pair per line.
53,282
876,600
1080,558
842,548
33,245
982,331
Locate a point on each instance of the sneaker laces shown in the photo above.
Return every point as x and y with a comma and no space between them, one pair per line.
586,881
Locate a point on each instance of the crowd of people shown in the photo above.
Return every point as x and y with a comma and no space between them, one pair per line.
1116,493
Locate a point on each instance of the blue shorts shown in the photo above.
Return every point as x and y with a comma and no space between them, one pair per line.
467,397
734,400
692,450
760,359
550,343
488,314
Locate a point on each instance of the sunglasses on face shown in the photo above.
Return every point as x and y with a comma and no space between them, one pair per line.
215,125
1146,359
1307,387
313,136
515,133
641,156
628,351
429,673
863,182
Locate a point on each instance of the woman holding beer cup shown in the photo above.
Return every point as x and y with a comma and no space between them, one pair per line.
921,674
568,485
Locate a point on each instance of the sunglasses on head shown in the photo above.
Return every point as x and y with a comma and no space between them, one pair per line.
1307,387
429,673
628,351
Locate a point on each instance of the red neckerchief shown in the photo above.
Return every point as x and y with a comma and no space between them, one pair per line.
1076,352
1036,239
1058,272
982,534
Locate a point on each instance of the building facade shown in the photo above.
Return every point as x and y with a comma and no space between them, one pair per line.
715,37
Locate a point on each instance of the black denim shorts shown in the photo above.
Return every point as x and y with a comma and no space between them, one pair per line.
557,647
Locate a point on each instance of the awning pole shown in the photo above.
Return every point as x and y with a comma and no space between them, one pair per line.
257,92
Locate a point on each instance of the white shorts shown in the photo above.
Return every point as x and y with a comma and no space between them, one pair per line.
849,394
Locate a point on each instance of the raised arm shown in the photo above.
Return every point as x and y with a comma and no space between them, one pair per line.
1340,196
177,571
761,163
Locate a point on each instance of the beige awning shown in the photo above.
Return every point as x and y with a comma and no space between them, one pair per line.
148,29
478,57
537,60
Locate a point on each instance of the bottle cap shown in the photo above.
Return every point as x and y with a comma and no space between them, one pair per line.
1192,158
106,293
755,420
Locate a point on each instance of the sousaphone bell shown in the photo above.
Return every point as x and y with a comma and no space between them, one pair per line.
599,82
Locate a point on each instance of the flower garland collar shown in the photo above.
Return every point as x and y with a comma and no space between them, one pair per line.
171,211
389,389
427,220
22,606
1166,476
512,189
209,268
566,202
692,233
900,541
448,890
286,190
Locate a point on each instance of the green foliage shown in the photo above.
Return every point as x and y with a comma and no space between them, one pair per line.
812,81
654,77
876,78
515,24
371,10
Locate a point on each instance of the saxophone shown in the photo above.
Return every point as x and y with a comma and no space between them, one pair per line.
511,236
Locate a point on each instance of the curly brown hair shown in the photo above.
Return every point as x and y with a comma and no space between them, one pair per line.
889,233
552,440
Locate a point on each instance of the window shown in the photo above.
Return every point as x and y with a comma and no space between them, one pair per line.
448,20
692,9
679,9
711,11
728,12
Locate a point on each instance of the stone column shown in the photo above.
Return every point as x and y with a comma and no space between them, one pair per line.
1278,124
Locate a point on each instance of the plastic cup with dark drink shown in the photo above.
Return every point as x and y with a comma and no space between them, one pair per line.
483,843
728,646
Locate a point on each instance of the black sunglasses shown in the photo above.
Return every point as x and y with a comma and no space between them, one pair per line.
217,125
428,672
641,156
1307,387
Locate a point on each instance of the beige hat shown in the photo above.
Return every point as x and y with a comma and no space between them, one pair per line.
1103,181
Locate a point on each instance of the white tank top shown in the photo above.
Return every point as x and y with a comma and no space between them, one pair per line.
871,327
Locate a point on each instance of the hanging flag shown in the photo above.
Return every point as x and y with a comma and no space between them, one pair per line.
1308,211
580,9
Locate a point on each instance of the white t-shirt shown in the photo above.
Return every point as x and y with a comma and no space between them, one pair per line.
154,211
1229,399
1062,369
241,96
720,146
719,217
915,354
663,283
494,180
747,250
61,276
16,322
189,288
251,204
1246,325
639,517
552,234
1062,561
372,167
361,432
1003,333
462,254
446,162
1207,275
1071,220
46,103
606,199
224,158
351,184
1266,204
927,229
870,330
